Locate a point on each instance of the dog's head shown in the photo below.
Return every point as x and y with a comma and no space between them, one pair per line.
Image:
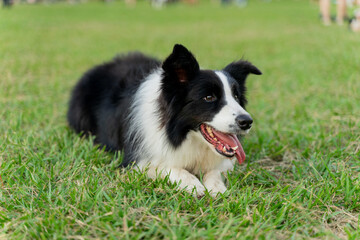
211,103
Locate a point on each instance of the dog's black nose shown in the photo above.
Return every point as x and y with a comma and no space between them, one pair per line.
244,121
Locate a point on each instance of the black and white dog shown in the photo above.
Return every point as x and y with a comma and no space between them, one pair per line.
170,119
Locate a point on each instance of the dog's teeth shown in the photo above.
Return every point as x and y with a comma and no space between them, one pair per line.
224,149
236,147
215,138
211,134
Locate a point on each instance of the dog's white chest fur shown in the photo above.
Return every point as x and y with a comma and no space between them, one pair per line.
193,155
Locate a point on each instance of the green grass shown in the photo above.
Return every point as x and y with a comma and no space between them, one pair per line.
301,179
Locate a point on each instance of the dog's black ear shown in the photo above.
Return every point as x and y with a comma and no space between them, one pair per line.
241,69
181,64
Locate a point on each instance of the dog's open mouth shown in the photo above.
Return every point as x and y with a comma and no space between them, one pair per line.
225,144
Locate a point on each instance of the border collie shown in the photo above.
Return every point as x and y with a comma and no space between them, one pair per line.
169,119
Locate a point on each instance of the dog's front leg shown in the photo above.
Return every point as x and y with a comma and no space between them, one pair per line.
214,183
183,178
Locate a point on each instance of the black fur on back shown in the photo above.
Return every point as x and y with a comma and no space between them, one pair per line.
103,95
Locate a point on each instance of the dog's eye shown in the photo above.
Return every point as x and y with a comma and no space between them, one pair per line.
234,93
210,98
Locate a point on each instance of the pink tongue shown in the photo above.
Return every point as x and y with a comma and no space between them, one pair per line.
232,141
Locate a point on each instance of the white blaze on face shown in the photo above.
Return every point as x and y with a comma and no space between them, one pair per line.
227,115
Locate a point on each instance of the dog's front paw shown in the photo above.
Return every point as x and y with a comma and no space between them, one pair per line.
193,187
214,183
215,188
196,190
186,181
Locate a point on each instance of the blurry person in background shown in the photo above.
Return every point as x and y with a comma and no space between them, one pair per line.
355,23
7,3
241,3
225,2
325,11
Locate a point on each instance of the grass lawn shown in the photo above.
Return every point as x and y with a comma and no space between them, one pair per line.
301,179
